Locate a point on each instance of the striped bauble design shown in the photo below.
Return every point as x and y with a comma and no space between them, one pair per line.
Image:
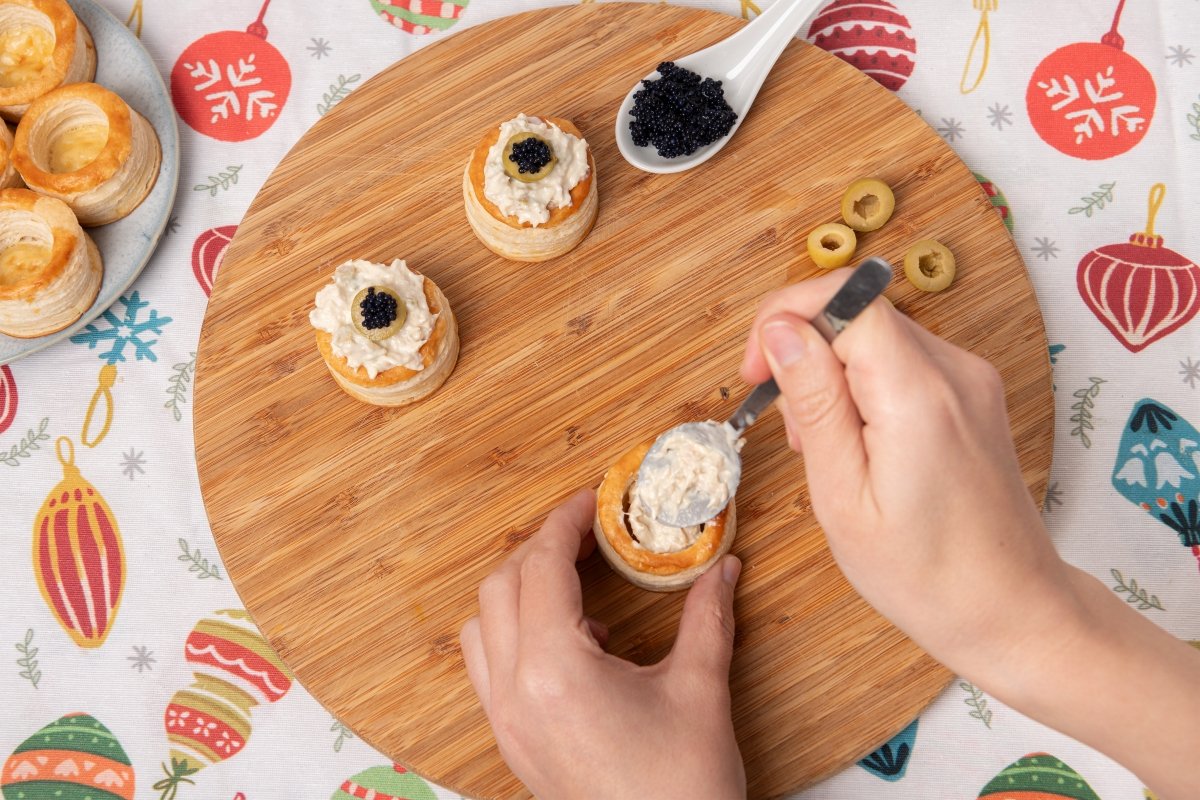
420,16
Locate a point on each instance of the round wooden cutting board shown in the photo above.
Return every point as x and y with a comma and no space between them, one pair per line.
357,535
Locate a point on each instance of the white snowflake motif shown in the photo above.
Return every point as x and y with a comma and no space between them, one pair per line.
227,97
1096,98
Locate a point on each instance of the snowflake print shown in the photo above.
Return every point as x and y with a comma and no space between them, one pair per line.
142,658
1045,249
999,116
227,98
123,331
950,129
1053,498
1098,96
173,225
1190,370
319,48
132,463
1180,56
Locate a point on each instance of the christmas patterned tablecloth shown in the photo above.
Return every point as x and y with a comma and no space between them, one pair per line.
1081,119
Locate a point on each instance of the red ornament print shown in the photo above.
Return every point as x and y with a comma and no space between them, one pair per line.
78,557
208,252
871,35
1139,289
8,398
231,85
1092,100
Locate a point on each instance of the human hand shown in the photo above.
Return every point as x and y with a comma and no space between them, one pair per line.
573,721
913,475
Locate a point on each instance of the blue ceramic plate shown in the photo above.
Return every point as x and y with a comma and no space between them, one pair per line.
126,68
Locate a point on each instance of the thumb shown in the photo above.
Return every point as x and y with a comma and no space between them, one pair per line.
822,420
704,646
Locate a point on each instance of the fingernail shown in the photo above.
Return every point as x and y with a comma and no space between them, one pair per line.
783,343
731,568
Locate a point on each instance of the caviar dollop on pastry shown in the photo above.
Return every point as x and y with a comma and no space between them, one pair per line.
50,270
530,188
84,145
641,549
42,46
386,332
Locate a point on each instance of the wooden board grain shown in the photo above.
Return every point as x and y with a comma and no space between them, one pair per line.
357,535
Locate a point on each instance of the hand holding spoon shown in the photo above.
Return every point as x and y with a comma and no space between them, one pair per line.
740,62
662,466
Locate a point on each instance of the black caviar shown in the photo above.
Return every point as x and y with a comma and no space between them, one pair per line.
530,155
379,309
680,112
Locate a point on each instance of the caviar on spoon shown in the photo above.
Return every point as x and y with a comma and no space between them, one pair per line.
682,114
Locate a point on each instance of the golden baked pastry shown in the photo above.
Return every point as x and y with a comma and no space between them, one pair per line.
8,171
656,571
426,338
84,145
50,270
42,46
540,228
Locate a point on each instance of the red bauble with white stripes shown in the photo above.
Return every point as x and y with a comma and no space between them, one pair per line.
8,398
208,252
1141,290
871,35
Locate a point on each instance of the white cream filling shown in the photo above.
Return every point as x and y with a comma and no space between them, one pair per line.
650,534
687,467
333,315
531,202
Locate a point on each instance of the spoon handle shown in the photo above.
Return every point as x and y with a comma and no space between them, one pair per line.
763,395
869,280
755,48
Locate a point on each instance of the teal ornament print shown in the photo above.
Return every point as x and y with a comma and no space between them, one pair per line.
1158,469
891,760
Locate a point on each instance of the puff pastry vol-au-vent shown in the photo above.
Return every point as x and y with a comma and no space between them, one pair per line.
50,270
386,332
84,145
642,550
530,188
42,46
8,171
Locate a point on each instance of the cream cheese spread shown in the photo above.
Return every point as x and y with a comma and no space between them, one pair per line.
531,202
333,315
652,535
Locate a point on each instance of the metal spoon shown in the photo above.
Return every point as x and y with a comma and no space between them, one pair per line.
740,62
696,507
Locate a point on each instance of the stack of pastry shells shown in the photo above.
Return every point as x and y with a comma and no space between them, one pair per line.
85,156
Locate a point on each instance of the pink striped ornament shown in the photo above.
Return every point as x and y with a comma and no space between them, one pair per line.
871,35
8,398
78,557
1141,290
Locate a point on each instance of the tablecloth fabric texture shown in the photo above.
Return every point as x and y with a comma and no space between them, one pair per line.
1079,128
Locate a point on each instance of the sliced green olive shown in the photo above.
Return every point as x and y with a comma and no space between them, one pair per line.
378,312
867,204
831,245
929,265
528,157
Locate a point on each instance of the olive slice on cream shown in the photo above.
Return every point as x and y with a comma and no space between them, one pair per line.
378,312
528,157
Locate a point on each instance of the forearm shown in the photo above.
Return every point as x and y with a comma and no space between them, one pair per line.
1112,679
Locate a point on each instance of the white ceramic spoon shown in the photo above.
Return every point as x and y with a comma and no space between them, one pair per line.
740,62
